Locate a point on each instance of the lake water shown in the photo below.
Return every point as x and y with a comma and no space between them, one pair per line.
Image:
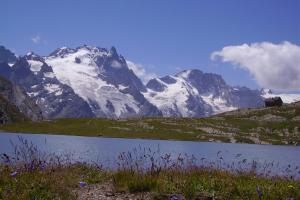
95,149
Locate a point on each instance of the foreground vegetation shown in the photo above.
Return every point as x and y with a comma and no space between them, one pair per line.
278,125
31,174
61,182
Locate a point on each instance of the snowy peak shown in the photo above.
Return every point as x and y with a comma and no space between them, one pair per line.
61,52
265,91
160,84
40,83
102,78
174,97
204,82
35,62
192,93
168,79
87,49
185,74
113,52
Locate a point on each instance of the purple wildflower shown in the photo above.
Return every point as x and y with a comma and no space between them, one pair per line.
42,167
82,184
14,174
174,198
32,168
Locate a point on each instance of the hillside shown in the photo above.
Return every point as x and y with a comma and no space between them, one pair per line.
277,125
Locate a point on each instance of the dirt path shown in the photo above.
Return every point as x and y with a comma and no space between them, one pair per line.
105,191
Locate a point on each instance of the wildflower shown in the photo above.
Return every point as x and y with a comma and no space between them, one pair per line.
32,168
82,184
14,174
174,198
42,167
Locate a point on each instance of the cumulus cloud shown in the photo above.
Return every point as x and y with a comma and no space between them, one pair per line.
140,71
274,66
36,39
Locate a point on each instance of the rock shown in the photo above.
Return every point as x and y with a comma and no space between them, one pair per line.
16,96
109,194
268,118
274,101
296,119
272,118
9,113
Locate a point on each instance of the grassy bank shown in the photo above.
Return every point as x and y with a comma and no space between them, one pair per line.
50,183
260,126
64,183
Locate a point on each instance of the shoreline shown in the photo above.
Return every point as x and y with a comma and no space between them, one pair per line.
140,138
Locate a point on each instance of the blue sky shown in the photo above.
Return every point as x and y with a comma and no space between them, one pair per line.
164,36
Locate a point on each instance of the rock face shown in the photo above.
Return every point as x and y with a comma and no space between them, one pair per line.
9,113
15,104
96,82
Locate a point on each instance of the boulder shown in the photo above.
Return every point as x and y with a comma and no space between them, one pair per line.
275,101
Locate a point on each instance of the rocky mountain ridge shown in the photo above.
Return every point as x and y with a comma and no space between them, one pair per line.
90,81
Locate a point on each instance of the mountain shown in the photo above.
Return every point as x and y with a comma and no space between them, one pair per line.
192,93
102,78
15,105
82,82
37,78
91,81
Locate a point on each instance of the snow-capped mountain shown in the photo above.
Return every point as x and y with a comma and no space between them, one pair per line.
96,82
286,97
192,93
82,82
102,78
36,77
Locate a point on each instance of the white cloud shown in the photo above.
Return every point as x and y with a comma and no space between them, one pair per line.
36,39
140,71
274,66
